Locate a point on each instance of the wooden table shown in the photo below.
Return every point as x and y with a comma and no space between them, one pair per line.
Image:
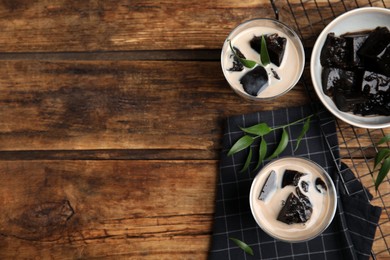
111,121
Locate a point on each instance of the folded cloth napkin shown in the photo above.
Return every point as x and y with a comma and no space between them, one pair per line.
351,233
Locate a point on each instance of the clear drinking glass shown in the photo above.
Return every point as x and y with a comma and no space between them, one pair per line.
289,71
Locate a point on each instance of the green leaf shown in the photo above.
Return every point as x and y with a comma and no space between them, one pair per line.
259,129
262,152
304,130
281,146
242,245
384,139
264,56
248,161
382,154
247,63
241,144
382,172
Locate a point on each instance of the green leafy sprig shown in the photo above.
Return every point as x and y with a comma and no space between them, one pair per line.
264,56
260,131
247,63
242,245
382,158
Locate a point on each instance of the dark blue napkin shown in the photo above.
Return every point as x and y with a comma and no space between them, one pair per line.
349,236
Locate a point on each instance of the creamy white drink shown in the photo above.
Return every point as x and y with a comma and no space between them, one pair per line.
288,72
266,209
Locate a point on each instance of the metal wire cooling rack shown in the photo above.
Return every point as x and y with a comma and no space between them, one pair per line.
358,146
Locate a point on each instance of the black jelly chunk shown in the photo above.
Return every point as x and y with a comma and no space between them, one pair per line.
377,104
374,82
320,186
354,41
330,78
269,186
347,103
335,79
237,65
275,74
296,209
276,46
368,109
342,52
383,61
334,53
305,186
291,177
356,71
376,89
255,80
375,51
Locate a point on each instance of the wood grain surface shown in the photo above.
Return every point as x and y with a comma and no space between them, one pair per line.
87,209
118,105
111,115
95,25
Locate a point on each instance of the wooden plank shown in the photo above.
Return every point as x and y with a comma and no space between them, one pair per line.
112,154
73,105
84,209
62,26
193,247
186,55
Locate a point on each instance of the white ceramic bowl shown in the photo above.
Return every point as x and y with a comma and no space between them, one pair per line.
290,70
365,18
266,210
